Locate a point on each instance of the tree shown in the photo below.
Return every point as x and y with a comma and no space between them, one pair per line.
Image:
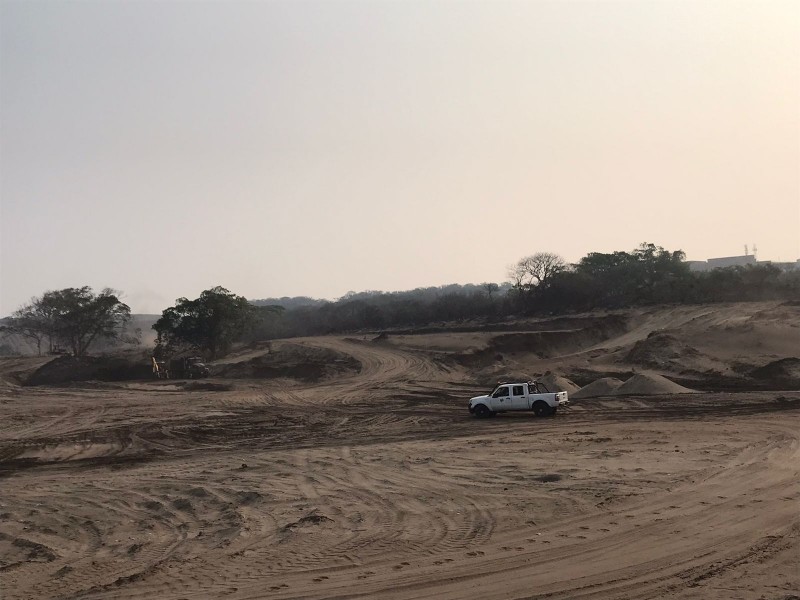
649,274
27,322
209,325
490,288
75,317
535,271
80,317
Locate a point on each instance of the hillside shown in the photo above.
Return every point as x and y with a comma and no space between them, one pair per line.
708,347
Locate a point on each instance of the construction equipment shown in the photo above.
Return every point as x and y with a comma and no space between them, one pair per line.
188,367
160,369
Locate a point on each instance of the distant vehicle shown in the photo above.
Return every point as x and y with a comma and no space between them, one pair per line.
507,397
191,367
160,369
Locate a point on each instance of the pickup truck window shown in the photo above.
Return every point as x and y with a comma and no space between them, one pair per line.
500,392
518,390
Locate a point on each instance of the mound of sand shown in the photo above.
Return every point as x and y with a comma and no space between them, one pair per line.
600,387
659,350
16,370
783,371
293,361
556,383
489,378
69,369
650,385
547,344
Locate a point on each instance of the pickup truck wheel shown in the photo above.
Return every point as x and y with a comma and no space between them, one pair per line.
541,409
482,411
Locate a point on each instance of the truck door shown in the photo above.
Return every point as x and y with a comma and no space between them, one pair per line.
519,400
501,398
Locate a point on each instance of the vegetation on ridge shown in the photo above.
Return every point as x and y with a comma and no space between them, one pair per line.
540,284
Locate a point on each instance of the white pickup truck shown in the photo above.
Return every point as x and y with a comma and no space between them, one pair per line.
518,396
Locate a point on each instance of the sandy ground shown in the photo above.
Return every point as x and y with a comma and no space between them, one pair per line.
378,484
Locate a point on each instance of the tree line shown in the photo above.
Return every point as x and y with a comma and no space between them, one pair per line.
646,275
542,283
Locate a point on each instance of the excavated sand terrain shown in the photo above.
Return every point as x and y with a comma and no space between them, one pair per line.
605,386
648,384
376,483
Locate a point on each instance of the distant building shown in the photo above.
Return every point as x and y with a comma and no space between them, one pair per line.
731,261
697,265
721,263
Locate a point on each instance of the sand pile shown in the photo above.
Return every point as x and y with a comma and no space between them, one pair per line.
783,372
294,361
650,385
16,370
556,383
69,369
660,350
600,387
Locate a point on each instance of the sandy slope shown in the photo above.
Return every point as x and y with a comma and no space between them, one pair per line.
379,485
717,344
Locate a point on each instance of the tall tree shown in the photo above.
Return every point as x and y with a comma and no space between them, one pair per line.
81,317
75,317
535,271
209,324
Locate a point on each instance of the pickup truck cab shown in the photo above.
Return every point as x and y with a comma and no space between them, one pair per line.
530,395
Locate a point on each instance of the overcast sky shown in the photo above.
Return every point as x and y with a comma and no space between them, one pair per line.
311,148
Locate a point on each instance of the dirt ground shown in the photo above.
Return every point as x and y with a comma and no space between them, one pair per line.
376,483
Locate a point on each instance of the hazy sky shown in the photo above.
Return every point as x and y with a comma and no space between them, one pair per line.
311,148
